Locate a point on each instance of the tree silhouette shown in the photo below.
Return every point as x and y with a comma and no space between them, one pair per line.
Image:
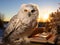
56,17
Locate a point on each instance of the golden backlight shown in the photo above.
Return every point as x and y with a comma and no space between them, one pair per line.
44,18
44,14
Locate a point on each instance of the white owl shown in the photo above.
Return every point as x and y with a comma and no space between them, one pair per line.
21,25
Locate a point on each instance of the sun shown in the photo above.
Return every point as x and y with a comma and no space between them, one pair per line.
44,15
44,18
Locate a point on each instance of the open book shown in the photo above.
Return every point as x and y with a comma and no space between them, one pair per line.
37,36
39,39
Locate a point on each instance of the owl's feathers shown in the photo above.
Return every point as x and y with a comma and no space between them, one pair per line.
21,25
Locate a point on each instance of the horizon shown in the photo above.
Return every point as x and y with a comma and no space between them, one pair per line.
11,7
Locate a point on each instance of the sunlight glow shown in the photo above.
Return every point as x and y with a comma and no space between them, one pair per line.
44,16
7,19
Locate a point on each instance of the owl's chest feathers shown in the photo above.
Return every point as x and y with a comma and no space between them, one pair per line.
23,28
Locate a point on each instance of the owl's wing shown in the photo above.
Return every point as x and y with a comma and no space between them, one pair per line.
11,26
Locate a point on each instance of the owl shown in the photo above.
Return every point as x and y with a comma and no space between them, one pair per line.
21,25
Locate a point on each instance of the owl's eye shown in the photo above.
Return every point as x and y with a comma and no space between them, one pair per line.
32,11
25,10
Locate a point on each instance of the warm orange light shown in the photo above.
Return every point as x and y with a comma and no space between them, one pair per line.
7,19
43,18
44,14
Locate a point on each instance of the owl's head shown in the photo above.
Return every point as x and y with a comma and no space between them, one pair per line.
29,10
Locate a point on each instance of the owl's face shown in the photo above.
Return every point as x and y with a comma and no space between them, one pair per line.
30,10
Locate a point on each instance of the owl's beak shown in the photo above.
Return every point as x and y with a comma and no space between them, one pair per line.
29,14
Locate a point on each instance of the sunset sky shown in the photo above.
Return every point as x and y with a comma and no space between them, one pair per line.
10,7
